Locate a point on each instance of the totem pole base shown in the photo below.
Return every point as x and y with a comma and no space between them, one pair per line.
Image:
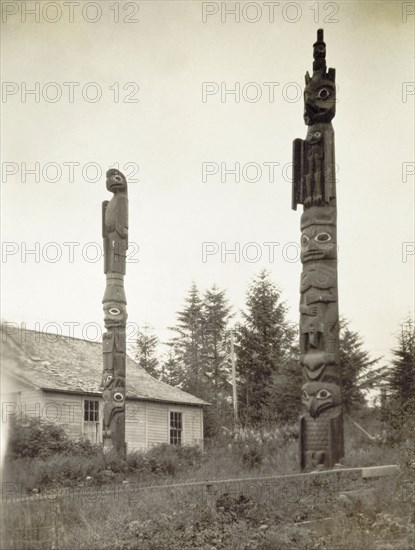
321,441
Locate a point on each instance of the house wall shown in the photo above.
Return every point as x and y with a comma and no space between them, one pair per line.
147,422
67,410
19,400
136,430
149,425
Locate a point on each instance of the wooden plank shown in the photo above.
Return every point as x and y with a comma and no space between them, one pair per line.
10,491
380,471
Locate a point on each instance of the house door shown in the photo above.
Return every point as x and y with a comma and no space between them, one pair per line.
92,421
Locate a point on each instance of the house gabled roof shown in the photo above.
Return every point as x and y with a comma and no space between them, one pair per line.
62,363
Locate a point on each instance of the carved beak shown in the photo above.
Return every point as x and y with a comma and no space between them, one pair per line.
313,408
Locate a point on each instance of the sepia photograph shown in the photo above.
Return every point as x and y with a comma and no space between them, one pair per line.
207,275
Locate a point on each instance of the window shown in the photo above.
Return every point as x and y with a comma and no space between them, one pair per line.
175,428
91,411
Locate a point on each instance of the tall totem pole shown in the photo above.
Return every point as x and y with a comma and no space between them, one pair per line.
314,186
115,235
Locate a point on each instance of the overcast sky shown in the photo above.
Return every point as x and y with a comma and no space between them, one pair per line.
138,99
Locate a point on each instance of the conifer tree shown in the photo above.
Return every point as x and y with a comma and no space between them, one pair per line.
285,401
216,315
146,351
358,371
198,361
400,403
188,343
170,371
264,341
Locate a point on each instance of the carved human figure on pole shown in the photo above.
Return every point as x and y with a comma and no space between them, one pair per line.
313,158
321,425
115,235
115,223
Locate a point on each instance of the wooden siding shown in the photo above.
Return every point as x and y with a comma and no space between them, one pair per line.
147,422
20,400
193,428
67,410
135,425
157,424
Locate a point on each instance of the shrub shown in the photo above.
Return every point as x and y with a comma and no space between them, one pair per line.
400,419
258,447
41,454
137,462
35,438
252,455
169,459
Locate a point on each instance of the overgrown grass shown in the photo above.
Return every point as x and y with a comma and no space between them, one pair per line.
246,453
183,520
360,451
240,517
98,468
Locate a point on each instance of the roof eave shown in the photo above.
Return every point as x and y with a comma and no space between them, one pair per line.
132,397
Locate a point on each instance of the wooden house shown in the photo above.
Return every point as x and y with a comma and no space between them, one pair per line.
57,378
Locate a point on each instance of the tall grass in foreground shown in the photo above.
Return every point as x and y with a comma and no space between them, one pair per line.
189,520
245,453
240,517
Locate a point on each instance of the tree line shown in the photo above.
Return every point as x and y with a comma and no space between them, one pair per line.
268,374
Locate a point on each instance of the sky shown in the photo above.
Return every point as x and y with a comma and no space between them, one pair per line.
148,85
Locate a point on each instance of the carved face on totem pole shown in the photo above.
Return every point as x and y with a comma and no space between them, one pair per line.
320,396
318,242
320,90
116,182
115,314
318,234
315,135
319,321
114,399
319,100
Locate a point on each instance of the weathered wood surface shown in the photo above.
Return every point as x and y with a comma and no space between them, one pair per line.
314,186
115,236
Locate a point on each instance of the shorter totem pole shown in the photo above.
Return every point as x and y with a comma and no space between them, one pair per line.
115,235
314,186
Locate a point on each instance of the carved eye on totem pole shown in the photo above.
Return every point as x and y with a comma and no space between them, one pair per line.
114,313
320,396
118,397
315,137
323,93
322,237
116,181
317,243
106,380
319,101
